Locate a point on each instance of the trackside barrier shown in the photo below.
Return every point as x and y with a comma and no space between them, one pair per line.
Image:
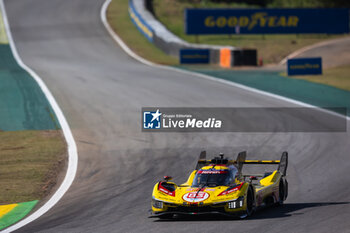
169,43
225,58
244,57
143,27
238,57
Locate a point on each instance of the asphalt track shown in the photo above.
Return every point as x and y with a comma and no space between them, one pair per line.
101,91
334,52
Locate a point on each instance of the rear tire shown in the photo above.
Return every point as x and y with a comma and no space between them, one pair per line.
282,193
250,203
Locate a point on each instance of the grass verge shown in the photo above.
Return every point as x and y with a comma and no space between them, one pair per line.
337,77
271,48
29,164
118,18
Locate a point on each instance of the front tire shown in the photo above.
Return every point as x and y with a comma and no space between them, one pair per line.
250,203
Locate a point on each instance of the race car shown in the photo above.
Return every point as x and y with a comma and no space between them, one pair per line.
218,186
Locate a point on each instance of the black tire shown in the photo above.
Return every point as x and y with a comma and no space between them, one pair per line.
250,203
282,193
285,189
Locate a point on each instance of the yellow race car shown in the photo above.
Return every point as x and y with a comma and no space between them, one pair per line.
217,186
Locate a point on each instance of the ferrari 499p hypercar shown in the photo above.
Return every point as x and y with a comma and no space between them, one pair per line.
218,186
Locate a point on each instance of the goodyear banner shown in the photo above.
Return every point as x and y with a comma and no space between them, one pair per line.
304,66
266,21
194,56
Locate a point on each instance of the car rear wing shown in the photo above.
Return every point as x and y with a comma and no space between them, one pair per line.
241,159
282,167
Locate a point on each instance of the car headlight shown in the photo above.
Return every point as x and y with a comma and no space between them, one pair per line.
238,203
157,204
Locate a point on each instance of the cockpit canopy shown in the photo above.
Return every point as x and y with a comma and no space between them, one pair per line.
213,176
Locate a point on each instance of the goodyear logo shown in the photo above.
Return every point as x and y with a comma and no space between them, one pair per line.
264,21
261,19
194,56
304,66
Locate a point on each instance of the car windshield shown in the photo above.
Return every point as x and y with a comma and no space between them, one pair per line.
212,178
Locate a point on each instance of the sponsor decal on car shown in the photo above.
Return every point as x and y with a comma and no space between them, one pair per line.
195,196
165,190
233,189
213,172
192,189
210,190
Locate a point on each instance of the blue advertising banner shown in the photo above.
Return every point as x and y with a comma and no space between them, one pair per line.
194,56
304,66
266,21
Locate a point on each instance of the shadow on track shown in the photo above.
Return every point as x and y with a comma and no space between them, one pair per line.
286,210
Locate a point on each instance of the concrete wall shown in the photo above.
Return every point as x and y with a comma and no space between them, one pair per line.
166,40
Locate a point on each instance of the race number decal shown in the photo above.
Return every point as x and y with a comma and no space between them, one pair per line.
194,197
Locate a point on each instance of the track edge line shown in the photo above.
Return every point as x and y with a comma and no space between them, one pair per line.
71,145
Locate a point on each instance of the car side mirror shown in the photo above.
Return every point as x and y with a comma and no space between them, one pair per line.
167,178
251,178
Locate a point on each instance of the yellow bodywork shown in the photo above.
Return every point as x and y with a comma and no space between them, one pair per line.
210,196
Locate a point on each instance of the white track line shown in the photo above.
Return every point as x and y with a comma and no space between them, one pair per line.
72,148
121,43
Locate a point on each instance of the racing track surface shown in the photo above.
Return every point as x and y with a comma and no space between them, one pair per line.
334,53
101,91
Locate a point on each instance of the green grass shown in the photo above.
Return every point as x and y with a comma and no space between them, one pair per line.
29,164
118,17
337,77
271,48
